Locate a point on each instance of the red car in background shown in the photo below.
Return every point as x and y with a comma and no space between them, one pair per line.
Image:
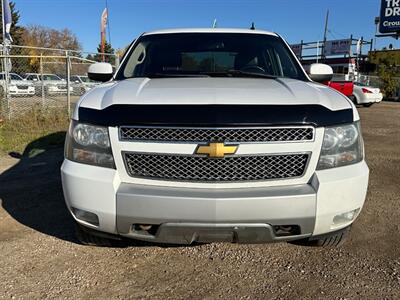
345,87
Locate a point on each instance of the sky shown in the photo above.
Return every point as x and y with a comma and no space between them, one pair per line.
295,20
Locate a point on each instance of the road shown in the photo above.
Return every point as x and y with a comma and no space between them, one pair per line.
40,257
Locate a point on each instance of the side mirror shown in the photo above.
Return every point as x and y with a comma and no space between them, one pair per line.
320,72
34,79
100,72
76,81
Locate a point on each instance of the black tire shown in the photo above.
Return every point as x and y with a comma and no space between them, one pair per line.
367,104
333,239
353,99
87,237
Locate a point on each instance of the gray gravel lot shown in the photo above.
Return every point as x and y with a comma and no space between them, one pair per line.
40,257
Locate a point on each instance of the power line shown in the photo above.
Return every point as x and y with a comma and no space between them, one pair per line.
331,33
338,33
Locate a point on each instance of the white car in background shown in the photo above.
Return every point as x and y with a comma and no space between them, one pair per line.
52,84
17,86
366,95
82,84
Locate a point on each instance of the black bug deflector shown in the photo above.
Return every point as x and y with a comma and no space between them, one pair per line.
215,115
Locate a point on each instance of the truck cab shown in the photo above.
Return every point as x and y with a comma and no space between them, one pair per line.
213,135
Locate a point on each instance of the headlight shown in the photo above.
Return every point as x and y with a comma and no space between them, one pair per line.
89,144
342,146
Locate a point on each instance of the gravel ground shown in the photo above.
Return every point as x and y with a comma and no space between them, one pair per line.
40,257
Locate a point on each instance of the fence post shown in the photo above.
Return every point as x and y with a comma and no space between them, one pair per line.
3,103
68,62
6,94
41,79
116,61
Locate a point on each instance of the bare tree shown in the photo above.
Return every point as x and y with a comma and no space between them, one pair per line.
39,36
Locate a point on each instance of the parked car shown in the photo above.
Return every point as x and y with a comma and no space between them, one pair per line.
17,86
52,84
366,95
214,135
345,87
82,84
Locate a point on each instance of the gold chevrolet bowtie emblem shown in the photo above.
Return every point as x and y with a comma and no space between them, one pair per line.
216,150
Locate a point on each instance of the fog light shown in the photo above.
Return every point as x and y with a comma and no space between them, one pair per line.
85,216
345,217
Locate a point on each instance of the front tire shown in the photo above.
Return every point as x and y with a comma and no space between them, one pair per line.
87,237
367,104
332,239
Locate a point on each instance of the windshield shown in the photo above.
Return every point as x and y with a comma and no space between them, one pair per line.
50,77
85,79
360,84
15,77
210,54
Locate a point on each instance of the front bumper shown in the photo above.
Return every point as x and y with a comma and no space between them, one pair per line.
22,92
185,215
58,90
371,98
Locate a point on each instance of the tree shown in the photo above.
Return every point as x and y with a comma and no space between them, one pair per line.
90,56
121,51
39,36
107,49
387,68
15,31
387,72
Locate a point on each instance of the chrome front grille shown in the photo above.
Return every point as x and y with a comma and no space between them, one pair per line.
202,169
203,135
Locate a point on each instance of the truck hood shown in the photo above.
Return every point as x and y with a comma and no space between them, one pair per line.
250,91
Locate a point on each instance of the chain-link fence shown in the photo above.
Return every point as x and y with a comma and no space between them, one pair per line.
42,78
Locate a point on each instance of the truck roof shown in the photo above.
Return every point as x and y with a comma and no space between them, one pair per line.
210,30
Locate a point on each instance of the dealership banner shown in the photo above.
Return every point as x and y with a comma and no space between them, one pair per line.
337,47
390,16
297,48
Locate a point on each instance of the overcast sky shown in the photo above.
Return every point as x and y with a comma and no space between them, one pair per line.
294,19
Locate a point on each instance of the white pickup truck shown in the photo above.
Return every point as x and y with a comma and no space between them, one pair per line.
214,135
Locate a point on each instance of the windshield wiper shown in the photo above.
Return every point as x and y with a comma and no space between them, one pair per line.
251,74
169,75
240,73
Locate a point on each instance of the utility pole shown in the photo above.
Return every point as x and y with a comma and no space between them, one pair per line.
325,33
2,17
